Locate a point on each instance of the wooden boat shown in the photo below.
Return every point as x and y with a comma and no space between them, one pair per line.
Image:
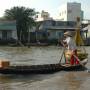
47,68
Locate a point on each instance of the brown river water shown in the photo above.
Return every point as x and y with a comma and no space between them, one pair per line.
63,80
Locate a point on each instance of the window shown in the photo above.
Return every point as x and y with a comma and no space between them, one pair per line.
4,35
69,11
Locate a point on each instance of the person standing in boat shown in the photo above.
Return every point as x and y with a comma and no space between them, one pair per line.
70,45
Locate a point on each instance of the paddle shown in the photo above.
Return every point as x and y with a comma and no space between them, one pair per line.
62,52
61,56
80,62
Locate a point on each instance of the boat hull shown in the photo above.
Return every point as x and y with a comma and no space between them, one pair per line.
42,69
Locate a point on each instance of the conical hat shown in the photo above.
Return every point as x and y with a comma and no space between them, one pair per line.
67,33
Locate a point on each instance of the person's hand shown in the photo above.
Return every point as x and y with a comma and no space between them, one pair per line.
62,43
73,53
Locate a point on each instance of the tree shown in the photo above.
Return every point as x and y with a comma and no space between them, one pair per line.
24,19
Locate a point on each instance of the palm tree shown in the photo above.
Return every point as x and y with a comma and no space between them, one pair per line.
24,19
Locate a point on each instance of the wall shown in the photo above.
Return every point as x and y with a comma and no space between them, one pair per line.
70,11
73,11
55,34
14,34
63,13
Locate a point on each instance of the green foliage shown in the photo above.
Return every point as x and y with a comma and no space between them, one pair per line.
25,18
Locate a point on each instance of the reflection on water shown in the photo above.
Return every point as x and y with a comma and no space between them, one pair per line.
78,80
74,80
18,82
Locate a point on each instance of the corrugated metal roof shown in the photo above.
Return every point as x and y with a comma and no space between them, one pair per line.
86,28
7,25
61,27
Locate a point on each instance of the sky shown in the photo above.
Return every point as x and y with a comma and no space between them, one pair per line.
52,6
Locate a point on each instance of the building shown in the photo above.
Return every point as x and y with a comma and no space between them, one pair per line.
53,30
8,30
82,15
86,22
43,16
86,31
70,11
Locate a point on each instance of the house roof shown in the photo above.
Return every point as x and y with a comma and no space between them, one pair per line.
61,28
57,25
86,28
7,25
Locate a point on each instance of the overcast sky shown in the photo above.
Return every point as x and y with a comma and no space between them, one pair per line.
51,6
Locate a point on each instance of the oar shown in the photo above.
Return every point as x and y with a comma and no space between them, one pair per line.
81,63
62,52
62,55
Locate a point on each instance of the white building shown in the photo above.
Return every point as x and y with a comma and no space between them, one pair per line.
43,16
70,11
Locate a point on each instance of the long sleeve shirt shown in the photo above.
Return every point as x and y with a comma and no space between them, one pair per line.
71,45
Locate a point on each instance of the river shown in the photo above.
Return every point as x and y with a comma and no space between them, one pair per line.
76,80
